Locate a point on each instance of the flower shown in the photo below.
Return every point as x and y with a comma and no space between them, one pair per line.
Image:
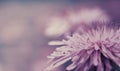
95,47
87,15
72,19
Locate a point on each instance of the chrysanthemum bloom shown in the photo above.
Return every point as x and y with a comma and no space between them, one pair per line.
95,47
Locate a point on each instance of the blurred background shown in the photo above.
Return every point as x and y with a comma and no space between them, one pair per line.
23,24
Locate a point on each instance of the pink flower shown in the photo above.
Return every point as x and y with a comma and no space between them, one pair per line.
72,19
93,48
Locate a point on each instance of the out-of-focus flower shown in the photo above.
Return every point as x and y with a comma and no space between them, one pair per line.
56,27
94,48
88,15
59,25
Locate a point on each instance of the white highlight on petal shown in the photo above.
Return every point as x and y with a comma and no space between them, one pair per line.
70,67
75,58
96,47
55,43
95,61
51,57
82,60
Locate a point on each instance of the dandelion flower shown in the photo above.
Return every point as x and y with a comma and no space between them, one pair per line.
93,48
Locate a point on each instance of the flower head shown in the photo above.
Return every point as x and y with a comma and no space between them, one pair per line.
93,48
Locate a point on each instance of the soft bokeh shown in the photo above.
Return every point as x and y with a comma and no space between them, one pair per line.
23,43
75,19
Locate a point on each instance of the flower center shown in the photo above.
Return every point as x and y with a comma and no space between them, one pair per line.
96,46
